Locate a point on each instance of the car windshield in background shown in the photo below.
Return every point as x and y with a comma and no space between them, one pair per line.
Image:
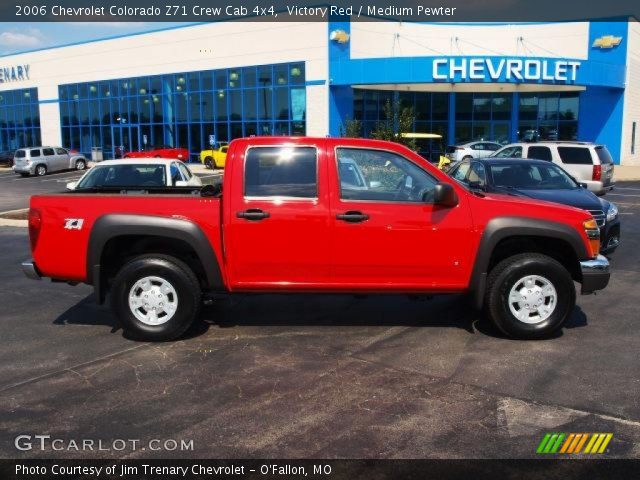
124,176
533,177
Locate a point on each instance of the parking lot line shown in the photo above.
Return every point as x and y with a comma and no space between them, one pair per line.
623,194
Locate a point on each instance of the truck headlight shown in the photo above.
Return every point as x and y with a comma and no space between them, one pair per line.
612,212
593,235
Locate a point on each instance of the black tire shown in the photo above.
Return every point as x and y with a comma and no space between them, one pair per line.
81,165
467,157
208,162
41,170
507,274
178,275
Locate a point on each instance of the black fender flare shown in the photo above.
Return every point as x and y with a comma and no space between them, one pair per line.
111,226
500,228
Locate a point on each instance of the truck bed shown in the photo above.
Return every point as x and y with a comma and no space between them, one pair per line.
67,220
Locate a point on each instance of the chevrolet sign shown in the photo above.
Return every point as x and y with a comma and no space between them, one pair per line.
14,73
607,41
506,69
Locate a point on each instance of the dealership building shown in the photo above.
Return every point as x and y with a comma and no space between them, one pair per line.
191,85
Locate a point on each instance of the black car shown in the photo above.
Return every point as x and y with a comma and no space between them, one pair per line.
6,158
541,180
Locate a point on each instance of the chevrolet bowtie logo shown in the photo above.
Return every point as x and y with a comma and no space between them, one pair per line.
607,41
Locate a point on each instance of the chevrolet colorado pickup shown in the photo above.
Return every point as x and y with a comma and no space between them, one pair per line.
317,215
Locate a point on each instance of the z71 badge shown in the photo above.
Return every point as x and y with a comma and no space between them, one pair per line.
73,223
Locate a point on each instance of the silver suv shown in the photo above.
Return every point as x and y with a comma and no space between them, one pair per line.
42,160
589,163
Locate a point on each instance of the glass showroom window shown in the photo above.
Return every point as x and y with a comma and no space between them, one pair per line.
184,109
431,112
548,116
19,119
482,116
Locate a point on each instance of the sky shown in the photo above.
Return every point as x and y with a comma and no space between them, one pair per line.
20,37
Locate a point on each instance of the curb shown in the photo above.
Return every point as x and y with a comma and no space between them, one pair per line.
5,222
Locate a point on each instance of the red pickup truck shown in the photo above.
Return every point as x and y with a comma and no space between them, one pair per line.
318,215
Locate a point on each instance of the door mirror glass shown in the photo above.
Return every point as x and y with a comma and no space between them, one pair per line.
71,185
445,195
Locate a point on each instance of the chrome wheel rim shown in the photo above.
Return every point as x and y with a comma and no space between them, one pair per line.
80,165
533,299
41,171
153,300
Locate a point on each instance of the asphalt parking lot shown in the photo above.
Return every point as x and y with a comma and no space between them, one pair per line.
316,376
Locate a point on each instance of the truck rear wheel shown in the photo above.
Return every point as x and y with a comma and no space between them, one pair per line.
529,296
156,297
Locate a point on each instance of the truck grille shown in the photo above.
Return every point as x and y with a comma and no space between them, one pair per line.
599,216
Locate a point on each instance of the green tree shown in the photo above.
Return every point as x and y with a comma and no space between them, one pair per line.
351,128
396,115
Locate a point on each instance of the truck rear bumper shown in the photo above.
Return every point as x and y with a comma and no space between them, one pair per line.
30,270
595,274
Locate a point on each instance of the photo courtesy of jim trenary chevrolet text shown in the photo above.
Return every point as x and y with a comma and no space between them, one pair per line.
331,240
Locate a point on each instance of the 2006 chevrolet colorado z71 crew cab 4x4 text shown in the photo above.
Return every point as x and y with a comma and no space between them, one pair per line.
317,215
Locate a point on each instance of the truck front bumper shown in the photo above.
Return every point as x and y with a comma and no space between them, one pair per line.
595,274
30,270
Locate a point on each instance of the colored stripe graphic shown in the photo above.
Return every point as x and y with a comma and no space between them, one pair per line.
573,443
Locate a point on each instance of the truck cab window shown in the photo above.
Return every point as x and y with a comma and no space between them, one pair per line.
367,174
282,171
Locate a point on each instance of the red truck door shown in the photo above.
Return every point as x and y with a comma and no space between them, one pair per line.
277,218
386,233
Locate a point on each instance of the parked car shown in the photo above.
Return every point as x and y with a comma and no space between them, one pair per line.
156,256
468,150
215,157
587,162
42,160
6,158
163,151
543,181
132,173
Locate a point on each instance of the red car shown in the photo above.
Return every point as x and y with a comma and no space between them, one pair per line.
163,151
323,215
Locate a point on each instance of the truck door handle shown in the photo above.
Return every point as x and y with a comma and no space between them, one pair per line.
253,214
352,216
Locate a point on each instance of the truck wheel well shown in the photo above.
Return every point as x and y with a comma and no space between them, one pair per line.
555,248
121,249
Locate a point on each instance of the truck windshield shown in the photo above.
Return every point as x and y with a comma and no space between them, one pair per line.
124,176
533,177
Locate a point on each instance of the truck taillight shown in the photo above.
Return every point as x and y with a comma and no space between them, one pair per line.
35,222
597,172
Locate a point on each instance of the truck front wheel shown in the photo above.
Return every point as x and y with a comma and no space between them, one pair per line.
156,297
529,296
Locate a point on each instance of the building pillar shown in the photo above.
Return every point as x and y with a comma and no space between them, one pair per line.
451,130
515,115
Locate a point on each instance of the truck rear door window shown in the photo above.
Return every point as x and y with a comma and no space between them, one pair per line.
575,155
281,172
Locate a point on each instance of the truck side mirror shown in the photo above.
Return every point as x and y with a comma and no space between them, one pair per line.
445,195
